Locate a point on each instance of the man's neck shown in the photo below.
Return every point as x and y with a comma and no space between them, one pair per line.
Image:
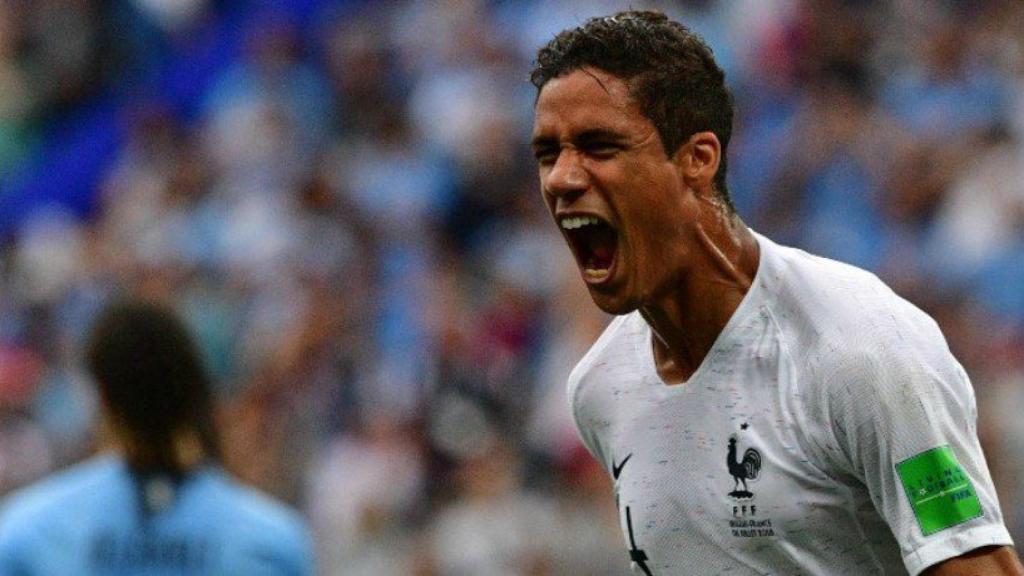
186,446
686,321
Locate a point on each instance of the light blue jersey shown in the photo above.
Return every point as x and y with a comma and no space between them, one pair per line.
91,520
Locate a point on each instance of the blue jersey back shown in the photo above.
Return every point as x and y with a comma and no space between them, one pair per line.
90,520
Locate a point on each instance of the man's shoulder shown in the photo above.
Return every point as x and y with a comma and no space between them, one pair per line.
613,356
259,522
844,327
820,288
52,496
251,507
615,347
826,305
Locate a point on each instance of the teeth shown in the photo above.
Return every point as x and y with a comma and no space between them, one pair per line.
572,223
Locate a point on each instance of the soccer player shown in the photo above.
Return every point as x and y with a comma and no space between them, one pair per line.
157,502
760,410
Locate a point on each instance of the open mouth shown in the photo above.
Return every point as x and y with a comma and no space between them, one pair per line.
594,243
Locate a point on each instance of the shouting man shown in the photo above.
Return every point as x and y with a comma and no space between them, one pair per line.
761,410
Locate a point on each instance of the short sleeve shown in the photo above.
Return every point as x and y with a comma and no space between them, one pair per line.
903,415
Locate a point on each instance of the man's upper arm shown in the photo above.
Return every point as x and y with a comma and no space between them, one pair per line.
904,417
991,560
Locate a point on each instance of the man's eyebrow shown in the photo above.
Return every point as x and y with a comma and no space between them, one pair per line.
585,137
543,142
598,135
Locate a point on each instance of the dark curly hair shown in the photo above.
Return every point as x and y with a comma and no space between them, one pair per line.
671,73
151,375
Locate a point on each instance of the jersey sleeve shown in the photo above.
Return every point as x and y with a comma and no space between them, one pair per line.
903,416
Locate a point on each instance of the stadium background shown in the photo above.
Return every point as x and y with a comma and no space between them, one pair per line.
340,199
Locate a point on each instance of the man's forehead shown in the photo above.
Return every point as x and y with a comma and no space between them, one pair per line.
590,85
588,96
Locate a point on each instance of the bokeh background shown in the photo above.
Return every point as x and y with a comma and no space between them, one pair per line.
339,198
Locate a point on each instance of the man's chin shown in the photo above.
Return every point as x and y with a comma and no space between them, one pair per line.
614,304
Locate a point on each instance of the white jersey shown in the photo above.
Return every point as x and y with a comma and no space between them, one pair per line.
828,431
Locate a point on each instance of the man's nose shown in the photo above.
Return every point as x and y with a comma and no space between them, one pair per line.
567,176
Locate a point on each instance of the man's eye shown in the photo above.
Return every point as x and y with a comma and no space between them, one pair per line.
546,156
602,149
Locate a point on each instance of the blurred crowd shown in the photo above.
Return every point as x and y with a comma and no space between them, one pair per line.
350,221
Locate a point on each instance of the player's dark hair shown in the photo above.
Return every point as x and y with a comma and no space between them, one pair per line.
151,377
671,72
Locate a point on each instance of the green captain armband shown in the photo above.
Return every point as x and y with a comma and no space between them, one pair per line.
940,493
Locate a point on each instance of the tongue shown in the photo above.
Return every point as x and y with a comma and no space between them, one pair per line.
601,245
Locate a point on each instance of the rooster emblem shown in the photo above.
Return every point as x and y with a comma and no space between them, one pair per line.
742,470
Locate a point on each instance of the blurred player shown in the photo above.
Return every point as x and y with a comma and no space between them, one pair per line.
760,410
156,502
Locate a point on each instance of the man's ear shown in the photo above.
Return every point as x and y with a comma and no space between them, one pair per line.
698,159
